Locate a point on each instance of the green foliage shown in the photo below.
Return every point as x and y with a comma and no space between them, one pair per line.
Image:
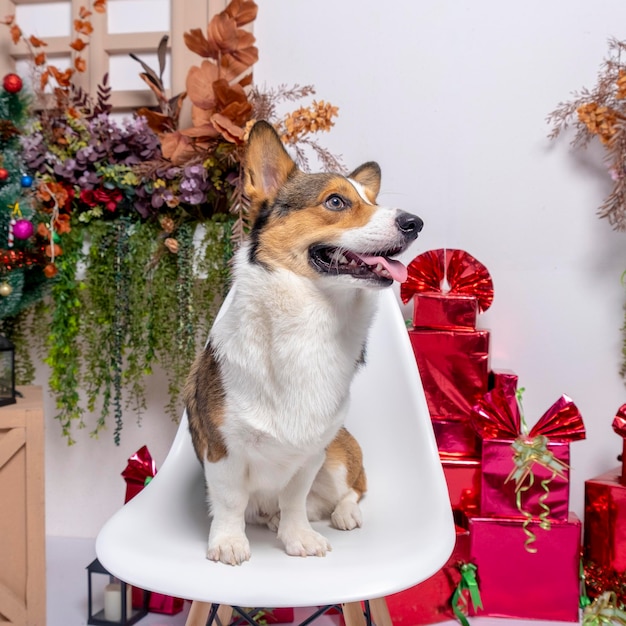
137,305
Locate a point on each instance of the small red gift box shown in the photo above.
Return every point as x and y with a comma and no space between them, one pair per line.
454,368
463,480
524,474
456,439
605,521
449,288
430,601
444,311
140,469
527,585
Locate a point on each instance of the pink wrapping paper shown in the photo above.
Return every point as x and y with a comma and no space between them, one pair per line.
498,498
456,439
518,584
497,419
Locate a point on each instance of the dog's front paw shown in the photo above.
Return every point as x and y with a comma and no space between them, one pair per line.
304,542
347,516
232,549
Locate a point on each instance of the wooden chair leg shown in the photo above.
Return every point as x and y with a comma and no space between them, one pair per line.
353,614
380,612
199,614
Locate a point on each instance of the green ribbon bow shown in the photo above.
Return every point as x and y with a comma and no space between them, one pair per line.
603,611
468,582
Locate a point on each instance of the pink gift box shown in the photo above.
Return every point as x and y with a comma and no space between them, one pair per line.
519,584
498,498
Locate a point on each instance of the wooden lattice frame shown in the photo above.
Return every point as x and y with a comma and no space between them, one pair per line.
184,16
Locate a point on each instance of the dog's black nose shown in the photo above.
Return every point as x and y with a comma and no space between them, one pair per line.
409,224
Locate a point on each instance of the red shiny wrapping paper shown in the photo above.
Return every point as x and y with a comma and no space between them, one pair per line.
454,367
619,426
518,584
448,271
498,499
430,601
445,311
456,438
463,480
140,467
605,521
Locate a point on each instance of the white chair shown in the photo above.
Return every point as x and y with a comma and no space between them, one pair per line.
158,540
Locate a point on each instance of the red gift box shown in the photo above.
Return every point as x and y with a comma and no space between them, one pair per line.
444,311
449,288
456,439
430,601
454,368
463,480
605,521
520,584
524,474
139,470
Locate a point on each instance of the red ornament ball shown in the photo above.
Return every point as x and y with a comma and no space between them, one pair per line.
12,83
4,174
23,229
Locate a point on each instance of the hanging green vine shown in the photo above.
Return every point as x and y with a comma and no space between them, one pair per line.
118,312
64,351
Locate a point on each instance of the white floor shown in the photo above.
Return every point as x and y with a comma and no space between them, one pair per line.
67,591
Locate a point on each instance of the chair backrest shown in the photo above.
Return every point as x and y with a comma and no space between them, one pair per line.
158,540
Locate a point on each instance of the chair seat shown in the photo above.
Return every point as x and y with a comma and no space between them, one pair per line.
158,540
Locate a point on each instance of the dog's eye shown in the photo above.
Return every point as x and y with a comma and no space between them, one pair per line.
335,203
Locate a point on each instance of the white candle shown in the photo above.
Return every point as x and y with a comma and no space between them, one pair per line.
113,602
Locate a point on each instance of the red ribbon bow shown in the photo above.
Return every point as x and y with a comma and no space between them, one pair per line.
497,416
141,467
463,273
619,421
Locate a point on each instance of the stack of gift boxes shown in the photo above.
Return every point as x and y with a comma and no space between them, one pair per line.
605,526
509,488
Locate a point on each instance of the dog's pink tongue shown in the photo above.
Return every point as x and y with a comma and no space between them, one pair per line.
396,270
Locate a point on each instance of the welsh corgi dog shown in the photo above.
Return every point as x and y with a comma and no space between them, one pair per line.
267,397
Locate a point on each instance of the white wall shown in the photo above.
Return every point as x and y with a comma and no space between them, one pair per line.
450,97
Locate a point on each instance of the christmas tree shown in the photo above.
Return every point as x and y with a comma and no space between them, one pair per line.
22,258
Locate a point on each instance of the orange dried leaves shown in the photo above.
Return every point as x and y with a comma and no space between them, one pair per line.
318,117
599,120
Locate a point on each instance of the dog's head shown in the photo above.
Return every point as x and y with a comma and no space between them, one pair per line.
325,226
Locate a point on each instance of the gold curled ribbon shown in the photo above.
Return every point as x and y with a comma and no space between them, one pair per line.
15,209
526,452
604,610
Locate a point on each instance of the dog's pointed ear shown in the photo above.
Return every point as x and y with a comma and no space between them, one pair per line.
368,175
267,164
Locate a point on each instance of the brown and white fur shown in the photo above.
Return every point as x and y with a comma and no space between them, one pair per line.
267,398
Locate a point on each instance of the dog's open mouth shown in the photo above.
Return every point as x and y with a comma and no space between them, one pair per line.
338,261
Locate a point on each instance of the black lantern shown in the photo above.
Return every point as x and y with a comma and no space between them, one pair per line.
115,598
7,372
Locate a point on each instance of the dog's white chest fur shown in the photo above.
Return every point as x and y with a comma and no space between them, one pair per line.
288,351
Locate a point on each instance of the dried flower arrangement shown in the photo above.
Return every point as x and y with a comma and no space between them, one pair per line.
600,113
150,211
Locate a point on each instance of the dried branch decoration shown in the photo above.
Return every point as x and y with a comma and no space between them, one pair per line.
601,112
